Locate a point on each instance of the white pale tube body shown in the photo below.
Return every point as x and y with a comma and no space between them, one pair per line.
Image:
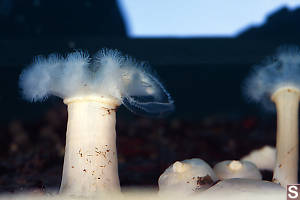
286,168
90,162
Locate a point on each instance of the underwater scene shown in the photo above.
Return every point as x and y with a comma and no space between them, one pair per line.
100,100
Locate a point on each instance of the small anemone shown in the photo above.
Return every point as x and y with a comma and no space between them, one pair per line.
108,73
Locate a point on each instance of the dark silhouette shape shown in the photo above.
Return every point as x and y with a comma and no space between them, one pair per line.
62,18
284,23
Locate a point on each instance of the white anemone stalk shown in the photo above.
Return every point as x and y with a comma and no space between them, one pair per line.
90,152
279,80
93,88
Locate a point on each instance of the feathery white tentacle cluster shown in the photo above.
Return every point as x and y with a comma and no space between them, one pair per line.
281,70
108,74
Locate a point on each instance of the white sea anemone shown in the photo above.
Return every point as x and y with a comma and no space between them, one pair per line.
278,80
93,88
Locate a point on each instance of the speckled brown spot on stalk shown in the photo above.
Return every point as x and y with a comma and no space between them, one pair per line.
80,153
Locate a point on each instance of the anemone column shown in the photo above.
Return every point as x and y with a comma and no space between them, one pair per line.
286,168
90,154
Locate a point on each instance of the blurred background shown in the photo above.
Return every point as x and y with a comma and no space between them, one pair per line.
201,50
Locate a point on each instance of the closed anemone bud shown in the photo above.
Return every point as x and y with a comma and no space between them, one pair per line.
187,177
264,158
236,169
